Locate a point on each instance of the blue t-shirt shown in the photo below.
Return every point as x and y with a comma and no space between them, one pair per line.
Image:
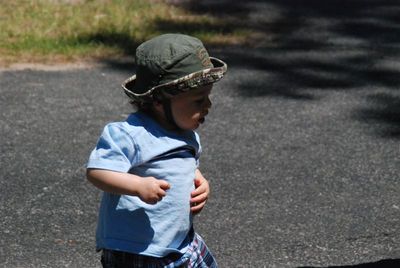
142,147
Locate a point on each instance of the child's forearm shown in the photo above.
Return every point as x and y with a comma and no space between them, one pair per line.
114,182
149,189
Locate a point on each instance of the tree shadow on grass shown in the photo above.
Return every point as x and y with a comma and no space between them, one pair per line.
122,41
314,45
389,263
194,27
318,45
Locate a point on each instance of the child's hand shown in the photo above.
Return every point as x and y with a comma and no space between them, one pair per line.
200,194
152,190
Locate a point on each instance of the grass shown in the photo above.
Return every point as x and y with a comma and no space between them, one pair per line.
44,31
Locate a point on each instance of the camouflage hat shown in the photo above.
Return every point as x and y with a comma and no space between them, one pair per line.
171,64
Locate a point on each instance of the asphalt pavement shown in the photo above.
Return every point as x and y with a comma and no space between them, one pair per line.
302,146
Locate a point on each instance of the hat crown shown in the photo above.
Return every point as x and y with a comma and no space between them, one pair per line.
169,57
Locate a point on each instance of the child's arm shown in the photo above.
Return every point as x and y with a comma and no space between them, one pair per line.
200,194
149,189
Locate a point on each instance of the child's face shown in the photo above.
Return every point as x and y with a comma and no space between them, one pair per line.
189,109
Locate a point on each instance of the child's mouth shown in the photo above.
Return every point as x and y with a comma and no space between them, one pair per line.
201,120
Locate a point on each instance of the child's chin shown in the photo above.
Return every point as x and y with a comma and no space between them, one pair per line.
196,126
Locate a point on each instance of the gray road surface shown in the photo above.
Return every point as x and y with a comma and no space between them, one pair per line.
302,147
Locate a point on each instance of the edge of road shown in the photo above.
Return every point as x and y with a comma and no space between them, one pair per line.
50,67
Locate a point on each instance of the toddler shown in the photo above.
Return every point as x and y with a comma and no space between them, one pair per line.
148,165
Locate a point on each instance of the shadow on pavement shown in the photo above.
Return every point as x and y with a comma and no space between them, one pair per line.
303,48
390,263
385,111
299,50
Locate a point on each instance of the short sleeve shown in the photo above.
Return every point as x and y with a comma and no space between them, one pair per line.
115,150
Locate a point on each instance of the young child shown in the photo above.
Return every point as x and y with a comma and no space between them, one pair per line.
147,165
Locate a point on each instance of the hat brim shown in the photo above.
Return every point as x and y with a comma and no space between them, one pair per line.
183,84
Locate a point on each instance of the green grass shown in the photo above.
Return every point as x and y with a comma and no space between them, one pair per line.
60,30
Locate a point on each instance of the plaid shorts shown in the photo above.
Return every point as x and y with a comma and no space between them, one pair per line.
197,256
